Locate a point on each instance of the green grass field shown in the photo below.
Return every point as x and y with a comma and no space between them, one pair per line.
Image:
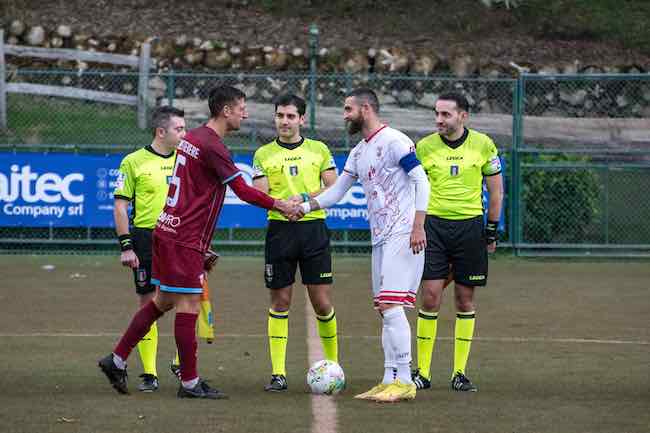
560,347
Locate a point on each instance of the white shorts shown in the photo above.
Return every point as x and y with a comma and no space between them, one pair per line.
396,271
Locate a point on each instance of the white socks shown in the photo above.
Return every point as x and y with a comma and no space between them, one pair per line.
396,340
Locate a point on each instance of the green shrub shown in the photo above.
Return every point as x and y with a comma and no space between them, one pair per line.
561,201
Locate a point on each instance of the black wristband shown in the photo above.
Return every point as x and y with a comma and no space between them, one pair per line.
491,233
125,242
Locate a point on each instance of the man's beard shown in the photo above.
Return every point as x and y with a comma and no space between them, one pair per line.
355,126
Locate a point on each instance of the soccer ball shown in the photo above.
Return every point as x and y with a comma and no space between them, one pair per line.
326,377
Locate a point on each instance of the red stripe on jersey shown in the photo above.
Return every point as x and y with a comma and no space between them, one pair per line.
375,133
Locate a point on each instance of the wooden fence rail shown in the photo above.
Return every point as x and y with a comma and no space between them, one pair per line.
143,62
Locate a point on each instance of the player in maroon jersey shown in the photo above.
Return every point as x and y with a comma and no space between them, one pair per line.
183,234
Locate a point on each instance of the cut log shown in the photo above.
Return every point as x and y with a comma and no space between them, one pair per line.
235,54
193,56
276,59
160,48
591,69
218,59
354,62
17,28
393,60
253,58
329,60
463,66
35,36
548,70
181,41
55,42
570,68
425,63
298,59
64,31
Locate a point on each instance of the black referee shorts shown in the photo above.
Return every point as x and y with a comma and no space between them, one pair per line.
289,244
460,243
142,246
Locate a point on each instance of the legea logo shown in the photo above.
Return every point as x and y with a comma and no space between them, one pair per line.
31,187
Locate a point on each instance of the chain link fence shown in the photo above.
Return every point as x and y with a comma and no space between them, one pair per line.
583,151
575,147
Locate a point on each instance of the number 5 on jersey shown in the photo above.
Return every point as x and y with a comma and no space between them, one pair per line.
176,181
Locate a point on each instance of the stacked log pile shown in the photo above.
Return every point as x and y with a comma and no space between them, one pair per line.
403,78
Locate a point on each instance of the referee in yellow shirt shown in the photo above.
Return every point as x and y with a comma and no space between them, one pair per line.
143,181
297,168
457,160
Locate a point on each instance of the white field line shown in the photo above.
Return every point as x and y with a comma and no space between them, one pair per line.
361,337
323,407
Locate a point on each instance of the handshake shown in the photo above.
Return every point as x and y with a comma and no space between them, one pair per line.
291,208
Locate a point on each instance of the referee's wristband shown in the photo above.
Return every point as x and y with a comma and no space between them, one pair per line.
491,233
305,197
125,242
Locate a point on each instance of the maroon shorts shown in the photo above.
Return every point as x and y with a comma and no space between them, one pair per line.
176,268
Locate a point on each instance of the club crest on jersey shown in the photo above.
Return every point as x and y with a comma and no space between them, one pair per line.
453,170
293,170
379,150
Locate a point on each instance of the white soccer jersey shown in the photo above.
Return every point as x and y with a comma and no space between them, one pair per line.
389,190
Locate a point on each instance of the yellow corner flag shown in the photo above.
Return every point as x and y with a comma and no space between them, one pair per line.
205,328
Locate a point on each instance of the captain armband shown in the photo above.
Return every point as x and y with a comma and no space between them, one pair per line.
125,242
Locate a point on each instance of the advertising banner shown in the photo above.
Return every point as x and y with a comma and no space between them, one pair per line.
73,190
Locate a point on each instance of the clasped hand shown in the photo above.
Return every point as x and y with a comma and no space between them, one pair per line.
291,208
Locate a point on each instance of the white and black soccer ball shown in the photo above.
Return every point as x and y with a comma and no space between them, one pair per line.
326,377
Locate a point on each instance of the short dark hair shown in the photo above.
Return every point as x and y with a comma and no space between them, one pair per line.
365,95
291,99
162,115
459,99
221,96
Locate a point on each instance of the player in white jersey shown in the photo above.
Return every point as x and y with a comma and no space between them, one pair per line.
397,191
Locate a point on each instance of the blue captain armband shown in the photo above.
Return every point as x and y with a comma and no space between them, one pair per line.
409,162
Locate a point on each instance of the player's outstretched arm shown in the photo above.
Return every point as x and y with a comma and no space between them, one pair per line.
331,195
260,199
251,195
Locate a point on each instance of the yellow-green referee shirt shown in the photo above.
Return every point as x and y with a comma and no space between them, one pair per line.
144,179
456,174
292,170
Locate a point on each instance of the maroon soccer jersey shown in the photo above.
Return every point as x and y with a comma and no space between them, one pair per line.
197,189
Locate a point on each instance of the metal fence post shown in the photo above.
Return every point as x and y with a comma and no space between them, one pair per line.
517,138
313,72
143,84
171,91
606,206
3,83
